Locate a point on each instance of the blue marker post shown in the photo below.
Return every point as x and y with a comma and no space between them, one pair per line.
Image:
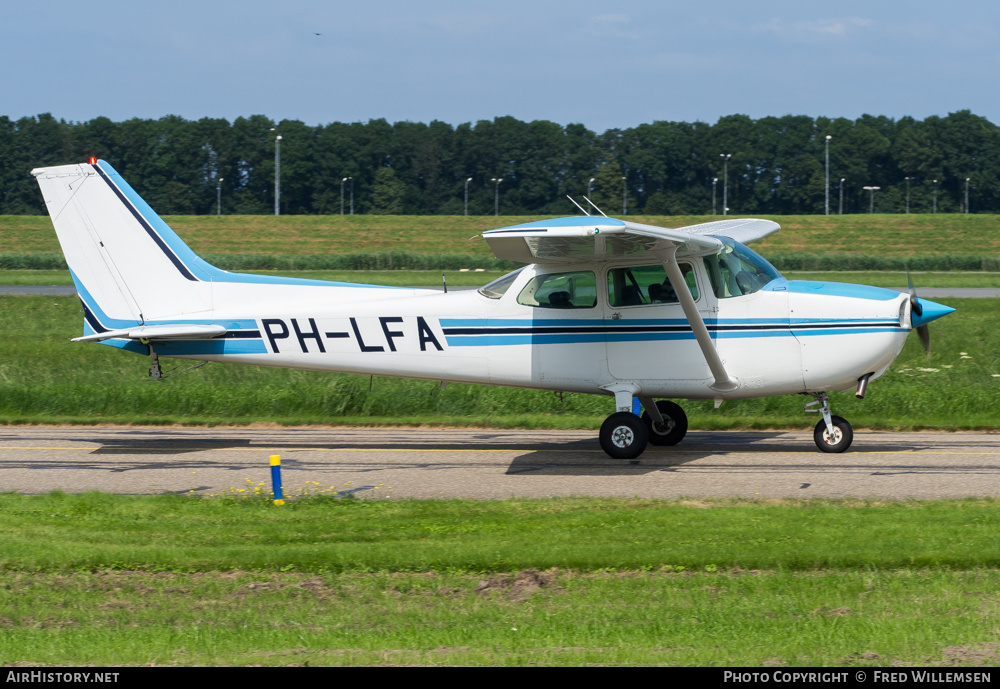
276,479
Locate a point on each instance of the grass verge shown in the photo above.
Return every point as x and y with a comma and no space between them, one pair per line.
117,580
457,278
863,234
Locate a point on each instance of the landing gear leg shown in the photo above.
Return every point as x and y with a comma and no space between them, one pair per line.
833,433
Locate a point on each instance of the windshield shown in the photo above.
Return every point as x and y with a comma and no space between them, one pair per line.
499,287
738,270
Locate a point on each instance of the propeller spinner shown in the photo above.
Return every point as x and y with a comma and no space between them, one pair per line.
922,312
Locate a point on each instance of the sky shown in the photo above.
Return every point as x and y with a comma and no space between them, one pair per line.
603,64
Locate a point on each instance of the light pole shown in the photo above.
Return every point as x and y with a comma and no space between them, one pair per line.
828,137
351,180
277,175
714,180
590,187
218,196
624,197
907,195
966,195
342,193
871,191
496,194
469,179
725,182
934,207
841,211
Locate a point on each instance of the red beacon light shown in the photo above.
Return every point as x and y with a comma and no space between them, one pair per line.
93,160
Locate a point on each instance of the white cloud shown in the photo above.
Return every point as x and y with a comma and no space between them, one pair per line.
611,26
808,30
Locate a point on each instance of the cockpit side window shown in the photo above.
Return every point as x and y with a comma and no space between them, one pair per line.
637,285
737,270
575,290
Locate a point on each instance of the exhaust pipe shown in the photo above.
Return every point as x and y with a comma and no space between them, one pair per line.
862,386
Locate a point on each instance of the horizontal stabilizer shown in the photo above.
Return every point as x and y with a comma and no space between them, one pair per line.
181,331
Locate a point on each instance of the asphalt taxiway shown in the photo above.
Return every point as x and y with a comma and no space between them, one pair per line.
483,464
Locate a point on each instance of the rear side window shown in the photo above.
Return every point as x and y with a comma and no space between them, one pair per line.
499,287
576,290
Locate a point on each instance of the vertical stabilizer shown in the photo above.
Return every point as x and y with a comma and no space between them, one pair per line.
128,265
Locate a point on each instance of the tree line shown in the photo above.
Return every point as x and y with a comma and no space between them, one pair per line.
776,165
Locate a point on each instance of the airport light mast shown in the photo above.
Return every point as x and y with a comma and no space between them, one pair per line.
277,174
496,194
725,182
828,137
871,191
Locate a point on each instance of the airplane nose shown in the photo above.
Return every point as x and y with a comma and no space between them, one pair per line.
931,311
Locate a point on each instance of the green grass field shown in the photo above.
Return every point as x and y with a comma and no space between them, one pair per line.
896,235
117,580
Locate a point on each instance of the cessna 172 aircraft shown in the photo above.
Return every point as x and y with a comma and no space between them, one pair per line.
603,306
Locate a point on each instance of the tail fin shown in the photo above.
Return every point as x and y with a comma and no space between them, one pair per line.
128,265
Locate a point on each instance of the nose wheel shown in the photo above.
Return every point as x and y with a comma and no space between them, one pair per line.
832,433
623,436
837,440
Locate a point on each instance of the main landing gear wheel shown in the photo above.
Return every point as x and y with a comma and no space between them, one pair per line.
673,428
623,436
839,440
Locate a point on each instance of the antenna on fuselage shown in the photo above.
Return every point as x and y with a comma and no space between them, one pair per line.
582,209
595,206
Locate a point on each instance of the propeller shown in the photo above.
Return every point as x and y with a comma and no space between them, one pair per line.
917,309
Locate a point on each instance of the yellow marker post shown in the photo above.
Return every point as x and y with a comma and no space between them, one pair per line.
276,479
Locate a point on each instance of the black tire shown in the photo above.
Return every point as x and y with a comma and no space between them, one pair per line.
676,424
623,436
835,444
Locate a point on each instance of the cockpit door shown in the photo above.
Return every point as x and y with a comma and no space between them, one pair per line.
647,335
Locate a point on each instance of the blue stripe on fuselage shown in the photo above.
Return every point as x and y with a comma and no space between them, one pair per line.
483,332
213,347
841,289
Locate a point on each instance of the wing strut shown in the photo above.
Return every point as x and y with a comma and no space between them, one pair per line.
723,381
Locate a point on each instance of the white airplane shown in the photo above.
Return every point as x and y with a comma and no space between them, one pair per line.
604,306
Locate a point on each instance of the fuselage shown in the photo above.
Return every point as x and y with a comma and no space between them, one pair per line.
786,337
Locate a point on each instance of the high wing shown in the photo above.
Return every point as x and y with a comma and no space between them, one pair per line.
742,230
590,238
